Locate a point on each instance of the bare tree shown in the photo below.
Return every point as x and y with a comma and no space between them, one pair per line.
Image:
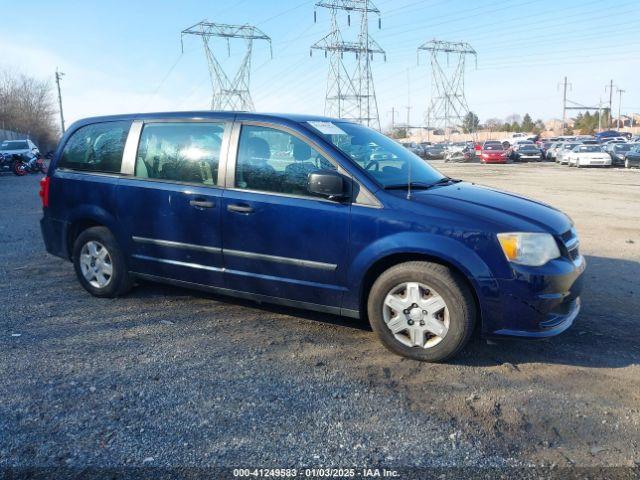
27,106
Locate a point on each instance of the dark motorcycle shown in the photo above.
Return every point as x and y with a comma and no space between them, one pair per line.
23,165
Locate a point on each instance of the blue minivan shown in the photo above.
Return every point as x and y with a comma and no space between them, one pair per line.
310,212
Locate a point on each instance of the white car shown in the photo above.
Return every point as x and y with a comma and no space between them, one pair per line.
588,156
562,153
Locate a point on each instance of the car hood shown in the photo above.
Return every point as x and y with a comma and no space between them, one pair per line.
507,211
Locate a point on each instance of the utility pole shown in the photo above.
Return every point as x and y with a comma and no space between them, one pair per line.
600,115
393,118
408,107
610,86
564,106
620,92
228,93
58,75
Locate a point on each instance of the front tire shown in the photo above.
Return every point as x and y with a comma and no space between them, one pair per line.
99,263
422,310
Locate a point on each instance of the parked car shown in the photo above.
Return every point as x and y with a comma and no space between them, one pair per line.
563,151
434,152
19,147
527,152
618,151
492,152
632,158
552,150
413,147
291,209
614,140
588,156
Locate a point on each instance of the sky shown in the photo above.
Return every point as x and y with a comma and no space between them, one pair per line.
125,56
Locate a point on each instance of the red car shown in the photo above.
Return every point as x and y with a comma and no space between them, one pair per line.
493,152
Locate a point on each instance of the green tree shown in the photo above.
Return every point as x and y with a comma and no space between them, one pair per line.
470,122
527,123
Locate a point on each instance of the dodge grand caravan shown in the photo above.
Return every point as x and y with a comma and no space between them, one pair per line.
310,212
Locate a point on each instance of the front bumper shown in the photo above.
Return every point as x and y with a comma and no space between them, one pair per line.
539,302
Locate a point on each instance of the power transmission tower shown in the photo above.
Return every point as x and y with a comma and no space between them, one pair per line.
229,93
350,92
59,75
448,105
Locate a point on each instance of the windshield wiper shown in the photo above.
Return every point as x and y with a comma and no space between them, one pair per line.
421,185
400,186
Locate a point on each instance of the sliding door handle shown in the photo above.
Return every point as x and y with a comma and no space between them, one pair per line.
240,208
201,203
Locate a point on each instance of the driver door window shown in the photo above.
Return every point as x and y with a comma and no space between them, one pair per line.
272,160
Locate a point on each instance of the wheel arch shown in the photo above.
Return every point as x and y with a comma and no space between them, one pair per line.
453,254
383,264
85,218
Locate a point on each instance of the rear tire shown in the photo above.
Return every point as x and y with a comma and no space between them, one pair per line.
99,263
436,283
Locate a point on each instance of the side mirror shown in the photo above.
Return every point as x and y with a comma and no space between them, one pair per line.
326,183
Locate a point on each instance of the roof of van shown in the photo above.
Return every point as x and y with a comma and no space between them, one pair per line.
292,117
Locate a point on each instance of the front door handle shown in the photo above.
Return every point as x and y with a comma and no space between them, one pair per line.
201,203
240,208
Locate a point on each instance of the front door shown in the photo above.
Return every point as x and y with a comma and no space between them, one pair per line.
171,205
278,239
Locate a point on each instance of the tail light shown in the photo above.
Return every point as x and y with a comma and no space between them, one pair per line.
44,191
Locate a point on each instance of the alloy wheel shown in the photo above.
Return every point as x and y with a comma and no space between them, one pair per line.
96,264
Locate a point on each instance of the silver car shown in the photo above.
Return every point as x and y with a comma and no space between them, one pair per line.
19,147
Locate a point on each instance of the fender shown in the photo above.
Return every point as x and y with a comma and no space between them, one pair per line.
94,213
447,249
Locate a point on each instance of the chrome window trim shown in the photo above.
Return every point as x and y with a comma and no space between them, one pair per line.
133,142
173,244
86,172
285,260
233,156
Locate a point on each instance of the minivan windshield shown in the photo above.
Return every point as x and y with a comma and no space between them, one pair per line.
383,159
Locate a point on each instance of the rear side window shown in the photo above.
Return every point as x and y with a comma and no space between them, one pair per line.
180,152
96,148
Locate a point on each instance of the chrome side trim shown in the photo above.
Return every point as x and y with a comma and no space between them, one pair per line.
285,260
170,243
253,296
180,264
131,148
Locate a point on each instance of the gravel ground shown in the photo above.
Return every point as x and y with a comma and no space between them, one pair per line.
169,377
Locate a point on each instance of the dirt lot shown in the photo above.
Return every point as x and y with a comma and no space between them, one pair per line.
167,377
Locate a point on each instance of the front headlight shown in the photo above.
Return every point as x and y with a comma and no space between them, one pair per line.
532,249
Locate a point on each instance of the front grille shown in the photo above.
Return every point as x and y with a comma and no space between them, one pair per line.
571,244
574,254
